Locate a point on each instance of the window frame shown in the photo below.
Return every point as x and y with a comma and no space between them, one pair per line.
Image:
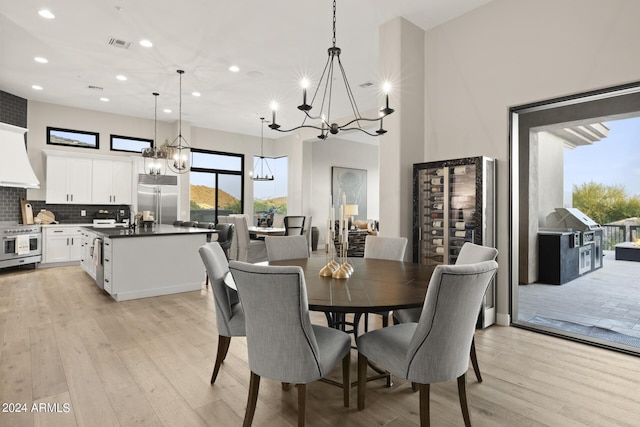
130,138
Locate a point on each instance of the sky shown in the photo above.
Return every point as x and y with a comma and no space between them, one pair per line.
614,160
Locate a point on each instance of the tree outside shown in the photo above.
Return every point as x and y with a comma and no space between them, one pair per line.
605,203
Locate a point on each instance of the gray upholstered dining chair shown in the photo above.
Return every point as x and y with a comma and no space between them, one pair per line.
282,343
379,247
436,348
293,225
249,250
229,312
286,247
470,253
225,236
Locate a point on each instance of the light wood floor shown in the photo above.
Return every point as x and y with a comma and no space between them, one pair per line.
148,362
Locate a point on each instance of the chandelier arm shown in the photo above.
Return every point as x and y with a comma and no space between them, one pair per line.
352,99
298,127
361,130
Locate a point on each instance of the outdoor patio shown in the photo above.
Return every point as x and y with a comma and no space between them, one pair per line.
607,299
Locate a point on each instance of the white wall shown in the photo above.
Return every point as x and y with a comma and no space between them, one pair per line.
510,53
41,115
341,153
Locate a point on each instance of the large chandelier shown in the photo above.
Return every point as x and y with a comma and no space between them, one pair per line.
155,159
179,150
259,173
322,120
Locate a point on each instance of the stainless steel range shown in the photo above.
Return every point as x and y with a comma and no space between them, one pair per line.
21,244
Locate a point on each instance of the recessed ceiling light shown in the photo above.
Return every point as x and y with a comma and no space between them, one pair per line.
121,77
46,13
195,93
234,68
167,110
36,87
104,99
146,43
41,59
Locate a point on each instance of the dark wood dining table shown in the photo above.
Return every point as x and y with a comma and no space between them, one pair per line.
376,285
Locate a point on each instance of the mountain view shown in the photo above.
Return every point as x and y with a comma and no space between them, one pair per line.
204,197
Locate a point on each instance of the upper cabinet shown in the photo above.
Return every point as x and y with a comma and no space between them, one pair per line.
69,180
84,179
111,182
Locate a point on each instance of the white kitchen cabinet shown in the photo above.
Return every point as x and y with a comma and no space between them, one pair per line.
62,244
111,183
69,180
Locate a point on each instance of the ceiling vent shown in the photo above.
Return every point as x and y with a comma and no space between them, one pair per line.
123,44
365,84
94,87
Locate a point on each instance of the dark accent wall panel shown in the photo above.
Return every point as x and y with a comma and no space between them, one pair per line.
13,110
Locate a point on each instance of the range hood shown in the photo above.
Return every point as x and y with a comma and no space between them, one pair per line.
15,169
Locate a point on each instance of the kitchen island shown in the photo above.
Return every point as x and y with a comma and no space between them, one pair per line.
140,263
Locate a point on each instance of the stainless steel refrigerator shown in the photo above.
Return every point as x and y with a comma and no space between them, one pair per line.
160,196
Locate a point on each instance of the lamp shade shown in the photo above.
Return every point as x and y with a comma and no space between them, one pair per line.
351,210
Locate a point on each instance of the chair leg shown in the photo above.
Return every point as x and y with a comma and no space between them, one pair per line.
286,386
223,348
346,378
462,393
424,405
254,385
302,405
415,387
206,280
385,320
362,380
474,360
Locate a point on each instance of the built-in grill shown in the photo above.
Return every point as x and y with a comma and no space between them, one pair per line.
570,245
21,244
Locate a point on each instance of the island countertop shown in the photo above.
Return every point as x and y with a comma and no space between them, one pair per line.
158,230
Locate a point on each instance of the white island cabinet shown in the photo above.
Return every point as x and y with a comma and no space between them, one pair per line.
161,261
62,243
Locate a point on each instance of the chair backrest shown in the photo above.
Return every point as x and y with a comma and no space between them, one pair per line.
178,223
242,235
225,234
294,225
229,315
281,343
439,349
190,223
286,247
379,247
203,225
470,253
278,220
233,249
307,229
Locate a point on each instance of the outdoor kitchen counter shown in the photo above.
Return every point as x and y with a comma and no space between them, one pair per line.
147,263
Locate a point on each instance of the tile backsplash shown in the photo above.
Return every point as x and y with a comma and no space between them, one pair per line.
10,203
65,214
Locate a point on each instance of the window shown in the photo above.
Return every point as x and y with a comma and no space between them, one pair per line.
128,143
270,197
73,138
216,184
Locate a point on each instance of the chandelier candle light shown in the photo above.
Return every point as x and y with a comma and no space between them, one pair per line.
179,148
258,169
155,160
324,116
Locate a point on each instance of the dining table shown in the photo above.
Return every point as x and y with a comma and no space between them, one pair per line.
267,231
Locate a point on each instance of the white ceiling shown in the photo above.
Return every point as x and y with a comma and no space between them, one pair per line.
273,42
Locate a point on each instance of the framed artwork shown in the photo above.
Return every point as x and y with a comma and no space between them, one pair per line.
353,184
72,138
129,143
